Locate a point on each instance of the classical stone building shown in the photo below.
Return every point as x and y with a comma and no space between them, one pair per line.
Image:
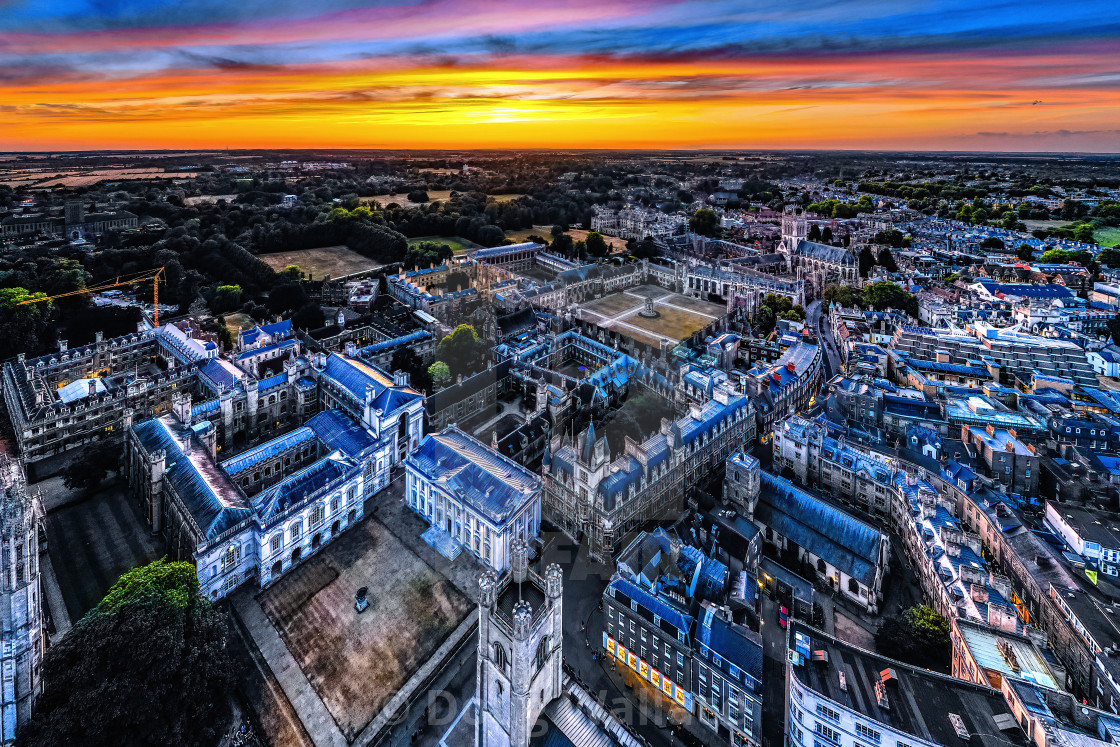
252,516
21,614
478,497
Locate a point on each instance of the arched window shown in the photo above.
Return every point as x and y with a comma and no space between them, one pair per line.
296,529
499,657
821,567
277,541
853,586
542,652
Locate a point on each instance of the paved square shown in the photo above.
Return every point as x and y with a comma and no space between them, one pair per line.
91,543
356,662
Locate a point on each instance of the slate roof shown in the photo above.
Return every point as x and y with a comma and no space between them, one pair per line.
353,376
213,500
826,531
492,484
826,253
339,432
254,456
300,486
650,605
735,645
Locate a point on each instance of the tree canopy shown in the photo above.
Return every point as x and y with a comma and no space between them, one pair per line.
885,295
149,665
704,222
461,350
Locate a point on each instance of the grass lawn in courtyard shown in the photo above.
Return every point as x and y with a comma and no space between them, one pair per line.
356,662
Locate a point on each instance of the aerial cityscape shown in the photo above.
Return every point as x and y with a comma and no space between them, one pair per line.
463,373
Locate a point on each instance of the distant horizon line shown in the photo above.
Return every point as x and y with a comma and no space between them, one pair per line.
342,150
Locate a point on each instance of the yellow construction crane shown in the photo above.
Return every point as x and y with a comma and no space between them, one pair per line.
153,275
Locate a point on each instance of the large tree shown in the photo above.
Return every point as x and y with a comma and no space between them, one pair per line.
150,665
885,295
596,244
704,222
461,350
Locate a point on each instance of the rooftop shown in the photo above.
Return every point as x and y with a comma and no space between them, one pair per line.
917,701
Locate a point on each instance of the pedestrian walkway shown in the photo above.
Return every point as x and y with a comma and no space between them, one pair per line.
53,594
418,681
313,714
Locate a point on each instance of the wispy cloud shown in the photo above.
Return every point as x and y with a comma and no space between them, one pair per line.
851,73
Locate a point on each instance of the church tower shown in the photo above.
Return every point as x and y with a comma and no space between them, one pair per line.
21,618
520,650
795,229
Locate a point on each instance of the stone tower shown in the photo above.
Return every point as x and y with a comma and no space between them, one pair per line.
21,618
520,653
795,228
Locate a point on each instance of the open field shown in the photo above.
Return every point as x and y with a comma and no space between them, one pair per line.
577,234
504,198
328,260
80,178
239,321
1107,236
616,303
680,316
672,322
1049,225
204,199
356,662
458,244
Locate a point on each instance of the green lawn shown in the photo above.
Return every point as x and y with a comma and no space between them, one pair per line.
1107,236
458,244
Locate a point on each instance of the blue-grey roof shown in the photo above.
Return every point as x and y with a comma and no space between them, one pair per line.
296,488
339,432
219,376
650,605
354,376
819,527
391,344
214,502
272,382
735,645
282,345
254,456
1027,290
482,478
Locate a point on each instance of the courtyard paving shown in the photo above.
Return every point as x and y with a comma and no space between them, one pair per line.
93,540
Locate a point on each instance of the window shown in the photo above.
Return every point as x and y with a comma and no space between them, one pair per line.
828,733
232,554
828,713
866,732
277,541
296,530
499,656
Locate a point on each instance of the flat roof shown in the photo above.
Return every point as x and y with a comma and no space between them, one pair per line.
918,702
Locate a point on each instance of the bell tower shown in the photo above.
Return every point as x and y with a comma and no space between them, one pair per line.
520,650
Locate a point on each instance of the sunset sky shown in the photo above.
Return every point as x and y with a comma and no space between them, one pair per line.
877,74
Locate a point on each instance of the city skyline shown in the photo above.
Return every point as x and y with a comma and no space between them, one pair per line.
577,74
